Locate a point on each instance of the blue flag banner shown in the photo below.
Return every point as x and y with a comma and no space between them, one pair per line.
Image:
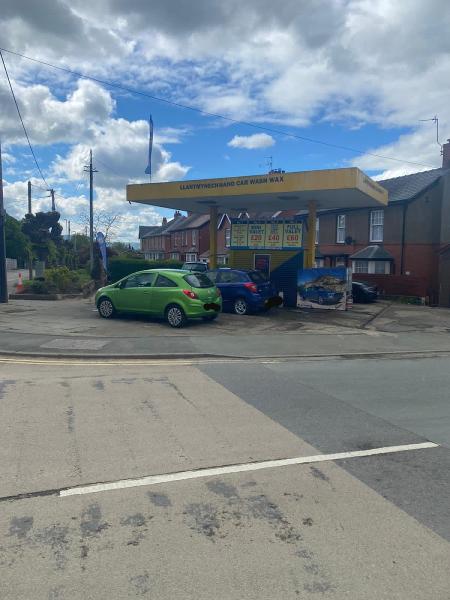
148,170
102,245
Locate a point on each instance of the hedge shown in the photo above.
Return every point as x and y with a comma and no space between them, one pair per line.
121,267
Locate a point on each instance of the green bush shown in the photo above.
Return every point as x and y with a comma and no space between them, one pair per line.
59,280
37,286
121,267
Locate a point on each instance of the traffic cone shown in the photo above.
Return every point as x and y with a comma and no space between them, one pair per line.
19,286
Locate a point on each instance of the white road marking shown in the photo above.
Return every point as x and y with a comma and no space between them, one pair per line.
239,468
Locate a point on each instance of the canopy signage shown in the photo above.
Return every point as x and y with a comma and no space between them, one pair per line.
266,235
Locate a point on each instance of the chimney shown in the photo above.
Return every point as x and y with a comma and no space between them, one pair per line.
164,221
176,214
446,155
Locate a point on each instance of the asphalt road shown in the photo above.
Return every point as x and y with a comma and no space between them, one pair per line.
360,527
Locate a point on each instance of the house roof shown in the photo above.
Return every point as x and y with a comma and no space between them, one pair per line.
192,222
372,253
167,228
146,229
410,186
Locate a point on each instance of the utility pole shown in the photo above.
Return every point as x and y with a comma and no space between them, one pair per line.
29,197
69,230
89,168
3,280
52,192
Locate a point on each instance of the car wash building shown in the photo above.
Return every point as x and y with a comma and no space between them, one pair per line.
279,247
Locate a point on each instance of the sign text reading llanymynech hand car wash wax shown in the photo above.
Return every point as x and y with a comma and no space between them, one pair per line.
226,183
265,235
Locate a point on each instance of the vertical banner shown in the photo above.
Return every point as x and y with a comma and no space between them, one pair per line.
274,236
256,235
148,170
239,235
102,245
292,237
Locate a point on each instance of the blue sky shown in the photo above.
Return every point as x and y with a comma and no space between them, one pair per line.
356,73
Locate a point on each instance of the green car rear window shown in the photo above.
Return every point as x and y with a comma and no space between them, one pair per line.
198,280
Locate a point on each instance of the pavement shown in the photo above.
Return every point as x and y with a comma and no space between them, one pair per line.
73,328
361,527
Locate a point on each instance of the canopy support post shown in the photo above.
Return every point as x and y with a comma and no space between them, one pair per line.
310,257
213,237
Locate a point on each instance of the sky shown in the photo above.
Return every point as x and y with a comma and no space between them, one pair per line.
356,73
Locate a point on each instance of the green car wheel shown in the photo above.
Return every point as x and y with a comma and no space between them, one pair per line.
106,308
175,316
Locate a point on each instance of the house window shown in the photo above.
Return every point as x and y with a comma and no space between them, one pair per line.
376,225
340,261
194,237
191,257
227,237
360,266
382,267
340,229
174,255
319,263
317,230
184,238
222,260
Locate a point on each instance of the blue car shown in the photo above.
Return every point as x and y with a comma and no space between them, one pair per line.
319,294
244,290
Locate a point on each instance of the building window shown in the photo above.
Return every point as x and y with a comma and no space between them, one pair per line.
227,237
376,225
184,238
340,261
174,255
222,260
319,263
382,267
191,257
317,229
194,237
340,229
360,266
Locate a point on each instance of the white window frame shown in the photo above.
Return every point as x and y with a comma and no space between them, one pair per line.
194,237
340,229
317,230
222,259
175,255
191,257
360,266
376,225
227,237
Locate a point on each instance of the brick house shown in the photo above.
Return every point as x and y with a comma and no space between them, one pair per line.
404,247
189,238
155,243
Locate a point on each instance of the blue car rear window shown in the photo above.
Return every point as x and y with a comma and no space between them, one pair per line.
198,280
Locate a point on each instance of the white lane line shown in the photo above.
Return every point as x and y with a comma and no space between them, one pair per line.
239,468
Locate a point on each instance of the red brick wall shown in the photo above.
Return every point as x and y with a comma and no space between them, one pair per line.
396,285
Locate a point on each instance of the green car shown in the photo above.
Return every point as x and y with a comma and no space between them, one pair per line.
173,294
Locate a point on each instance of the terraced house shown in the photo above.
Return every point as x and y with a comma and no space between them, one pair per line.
404,247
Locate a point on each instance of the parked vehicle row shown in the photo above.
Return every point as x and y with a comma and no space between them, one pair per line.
179,295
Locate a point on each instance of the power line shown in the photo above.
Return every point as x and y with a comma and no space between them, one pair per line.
215,115
21,120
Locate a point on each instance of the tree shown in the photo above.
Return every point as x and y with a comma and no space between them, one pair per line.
44,231
17,243
104,221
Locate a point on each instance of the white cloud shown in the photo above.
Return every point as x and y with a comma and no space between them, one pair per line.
252,142
348,62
